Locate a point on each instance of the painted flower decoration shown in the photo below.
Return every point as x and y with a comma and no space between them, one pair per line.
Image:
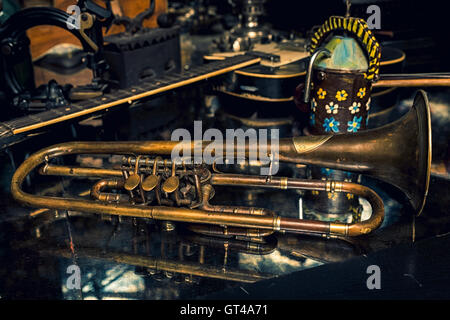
354,125
368,104
315,192
354,108
312,119
313,105
341,95
355,210
350,196
332,195
321,94
356,216
332,108
361,93
331,124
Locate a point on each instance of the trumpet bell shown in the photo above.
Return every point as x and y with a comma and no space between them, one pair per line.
415,177
409,141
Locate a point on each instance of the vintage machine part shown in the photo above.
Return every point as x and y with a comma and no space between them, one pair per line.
15,47
134,25
249,30
398,153
128,55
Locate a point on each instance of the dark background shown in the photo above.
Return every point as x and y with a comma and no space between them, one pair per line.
420,28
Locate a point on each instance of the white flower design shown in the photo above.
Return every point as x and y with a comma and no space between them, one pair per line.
332,108
354,108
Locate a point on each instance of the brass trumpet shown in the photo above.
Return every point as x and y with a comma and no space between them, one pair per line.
398,153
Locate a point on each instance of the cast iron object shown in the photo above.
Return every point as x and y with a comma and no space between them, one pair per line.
142,56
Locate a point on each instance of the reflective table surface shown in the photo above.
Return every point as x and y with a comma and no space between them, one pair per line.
44,251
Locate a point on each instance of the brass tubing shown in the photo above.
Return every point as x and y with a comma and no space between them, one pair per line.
344,229
198,190
296,225
157,212
426,82
97,191
68,171
216,216
246,232
224,179
288,152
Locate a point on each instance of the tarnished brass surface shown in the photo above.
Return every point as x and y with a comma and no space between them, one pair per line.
419,82
171,184
309,143
132,182
150,183
399,153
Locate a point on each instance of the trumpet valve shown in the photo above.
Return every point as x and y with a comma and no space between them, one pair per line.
132,182
171,184
150,183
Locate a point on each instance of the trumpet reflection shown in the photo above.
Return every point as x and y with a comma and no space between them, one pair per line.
135,259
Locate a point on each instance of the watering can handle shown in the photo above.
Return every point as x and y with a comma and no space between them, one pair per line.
314,57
